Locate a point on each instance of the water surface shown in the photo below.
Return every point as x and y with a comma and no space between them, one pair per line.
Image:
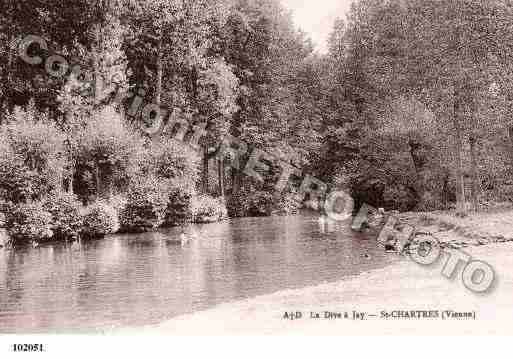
132,280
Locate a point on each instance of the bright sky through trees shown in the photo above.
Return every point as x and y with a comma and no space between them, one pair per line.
316,17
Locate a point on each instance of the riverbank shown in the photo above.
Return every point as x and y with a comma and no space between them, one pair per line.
495,226
404,286
401,287
62,218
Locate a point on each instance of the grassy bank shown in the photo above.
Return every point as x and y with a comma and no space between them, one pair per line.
477,229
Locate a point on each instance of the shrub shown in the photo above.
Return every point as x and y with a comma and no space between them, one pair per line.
262,203
145,210
28,222
17,182
118,202
237,205
429,202
173,160
285,204
36,148
206,209
400,197
4,208
252,204
100,219
106,154
223,209
66,218
179,207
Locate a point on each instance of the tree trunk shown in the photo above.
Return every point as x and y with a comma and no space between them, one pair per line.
97,73
110,190
205,168
419,163
7,77
475,184
158,87
160,72
97,177
11,6
221,177
104,182
460,183
59,181
71,180
510,130
10,57
2,110
234,176
445,192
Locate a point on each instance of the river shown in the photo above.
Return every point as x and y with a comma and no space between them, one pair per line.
135,280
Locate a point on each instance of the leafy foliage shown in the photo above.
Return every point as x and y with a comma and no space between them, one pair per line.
173,160
66,221
29,222
145,210
206,209
179,207
31,156
409,109
100,220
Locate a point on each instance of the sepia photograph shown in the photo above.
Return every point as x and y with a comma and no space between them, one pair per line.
221,168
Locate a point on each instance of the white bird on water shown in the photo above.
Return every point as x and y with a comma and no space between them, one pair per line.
184,239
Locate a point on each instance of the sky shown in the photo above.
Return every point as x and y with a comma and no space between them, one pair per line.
316,17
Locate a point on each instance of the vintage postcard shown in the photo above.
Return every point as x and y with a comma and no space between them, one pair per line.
255,167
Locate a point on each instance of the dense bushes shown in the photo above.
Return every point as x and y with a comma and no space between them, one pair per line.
3,210
400,197
179,206
56,217
259,204
29,222
249,204
19,184
172,160
145,210
155,202
137,186
36,140
206,209
162,192
100,219
262,203
66,222
286,204
106,155
31,157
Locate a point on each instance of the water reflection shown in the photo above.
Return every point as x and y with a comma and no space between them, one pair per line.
144,279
